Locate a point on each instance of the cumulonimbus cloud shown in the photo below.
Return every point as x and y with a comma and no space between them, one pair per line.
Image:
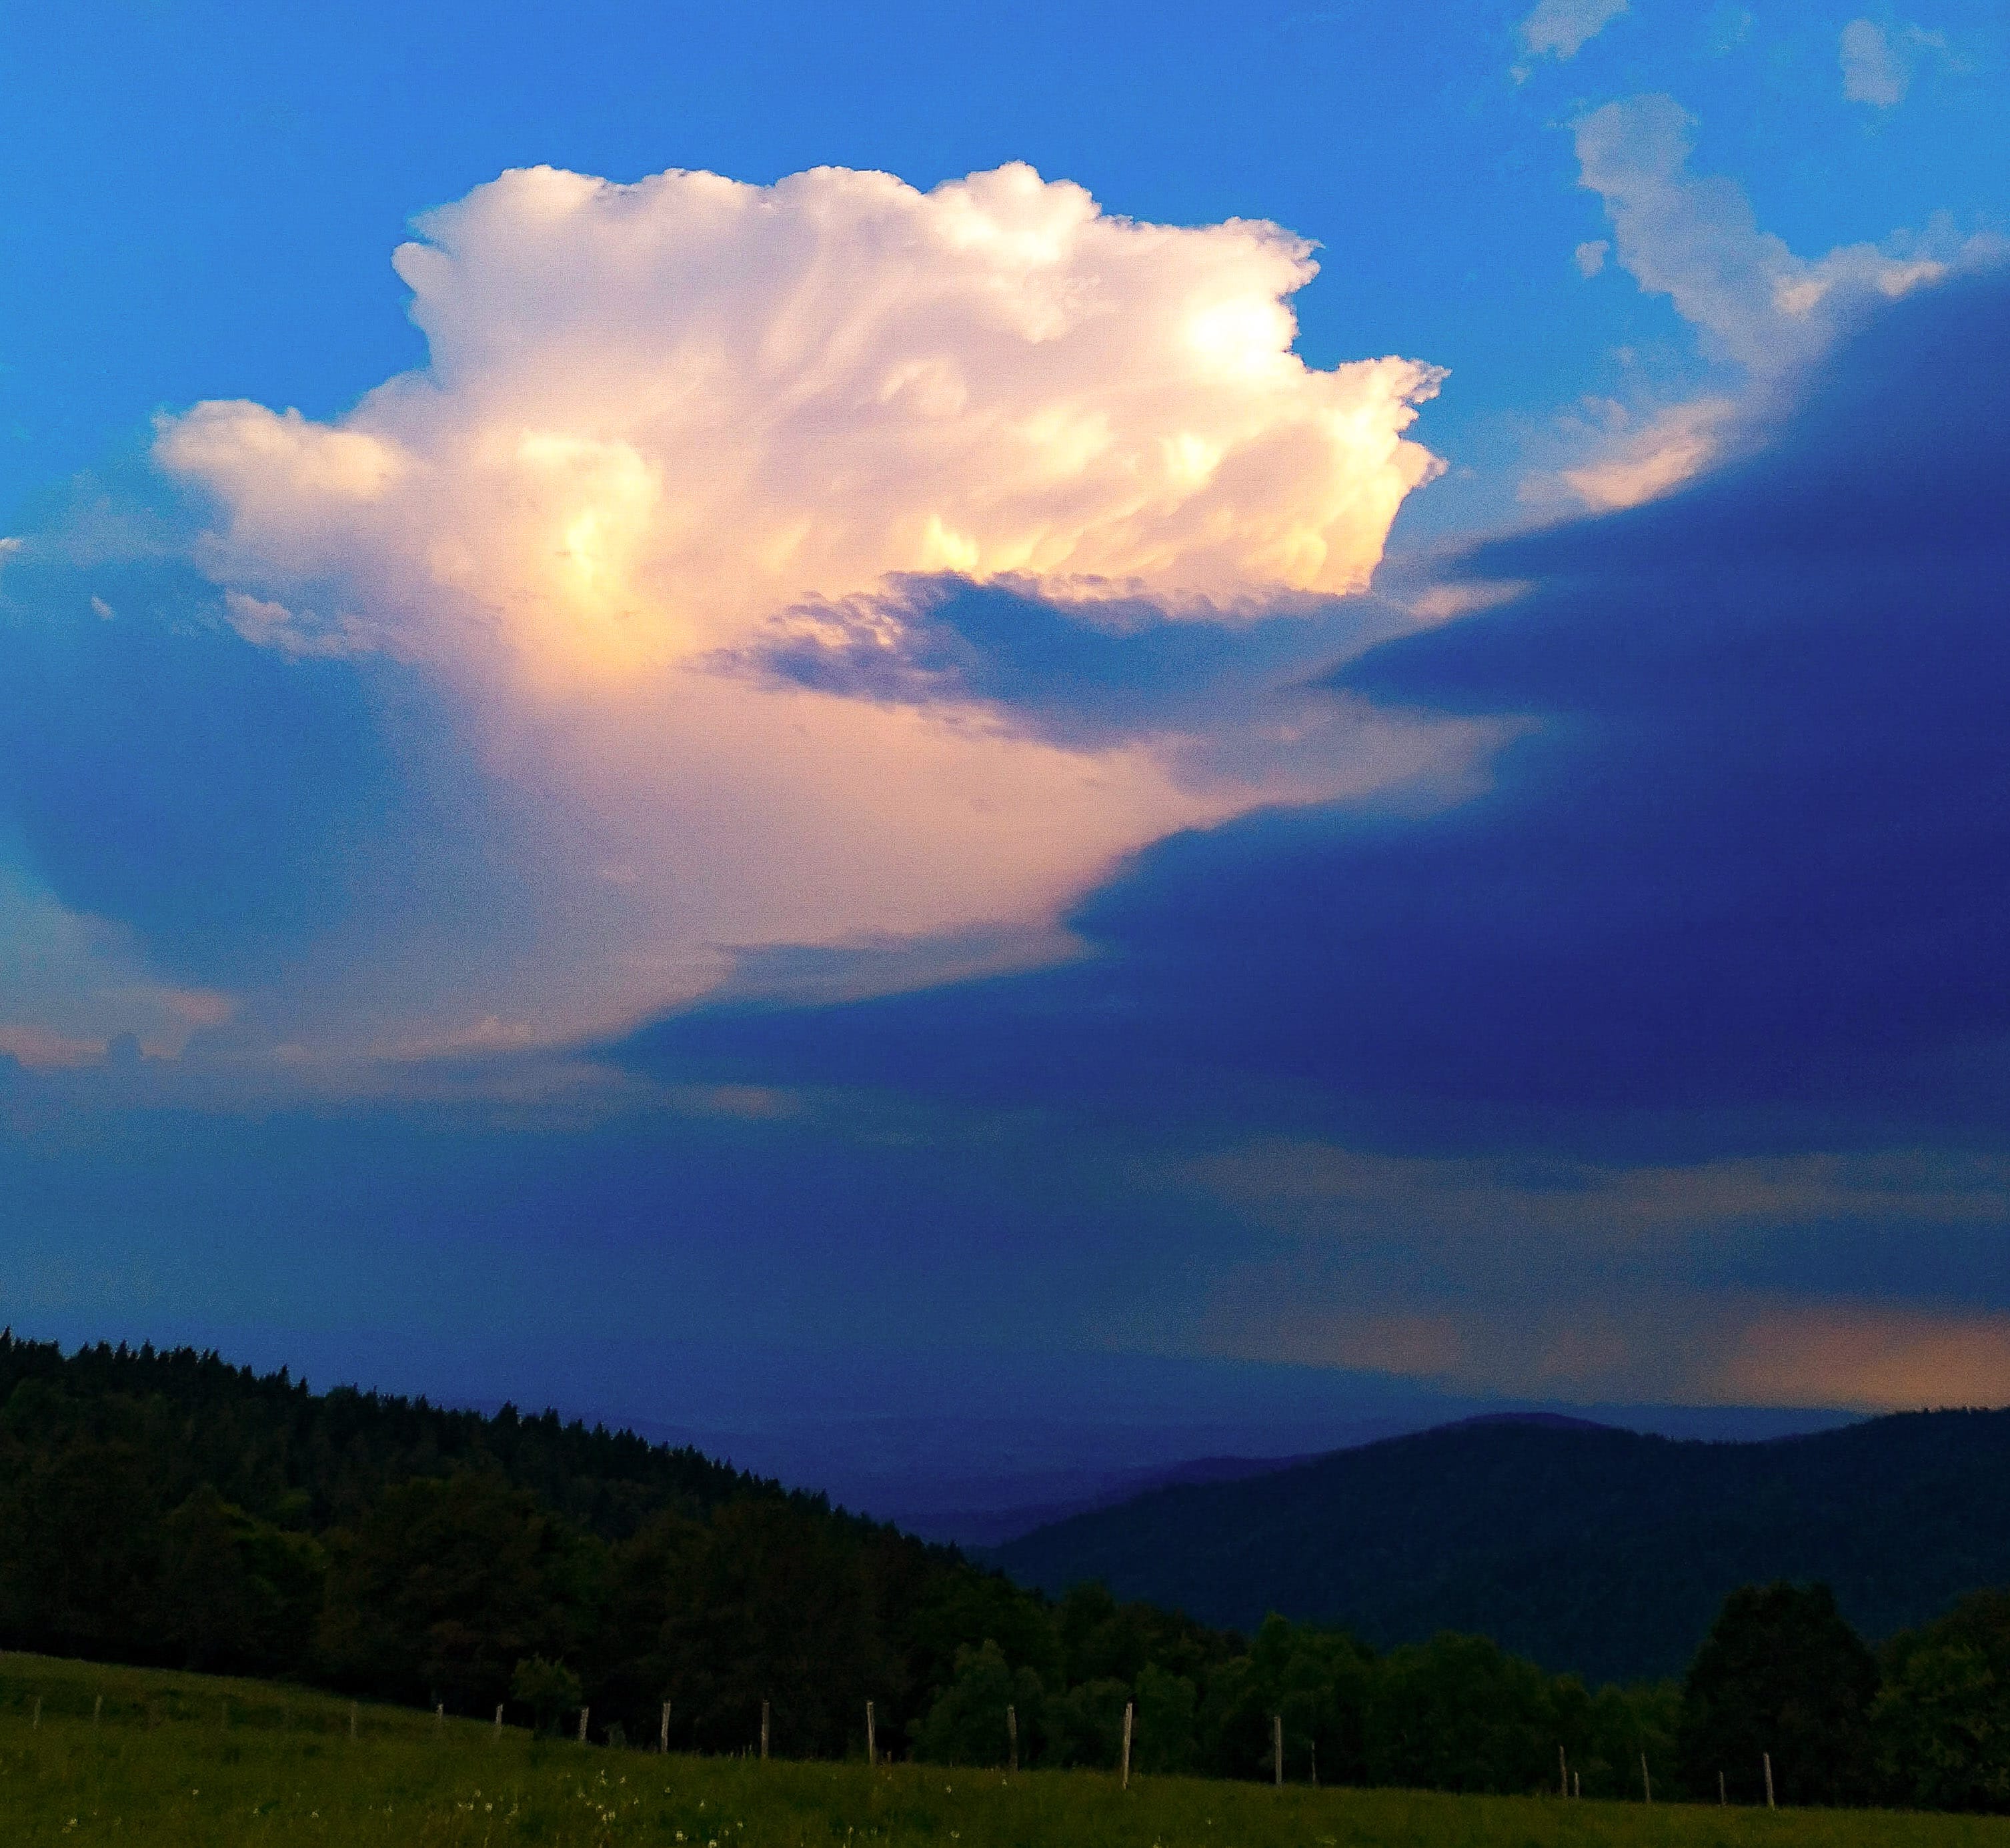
655,413
656,416
1749,852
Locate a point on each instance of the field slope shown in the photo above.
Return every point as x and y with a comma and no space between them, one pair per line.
96,1754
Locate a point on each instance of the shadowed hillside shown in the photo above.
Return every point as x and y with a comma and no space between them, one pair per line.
1595,1550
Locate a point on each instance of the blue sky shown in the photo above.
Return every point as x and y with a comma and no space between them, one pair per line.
910,765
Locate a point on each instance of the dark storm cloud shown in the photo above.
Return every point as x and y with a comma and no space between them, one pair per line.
1081,674
1753,849
228,804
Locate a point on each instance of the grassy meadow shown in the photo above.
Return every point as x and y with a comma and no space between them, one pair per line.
97,1753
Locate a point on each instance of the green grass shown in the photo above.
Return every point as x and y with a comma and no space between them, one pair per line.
186,1759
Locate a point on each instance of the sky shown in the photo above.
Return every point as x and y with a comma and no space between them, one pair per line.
1190,724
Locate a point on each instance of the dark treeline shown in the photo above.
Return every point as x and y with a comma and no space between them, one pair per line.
167,1508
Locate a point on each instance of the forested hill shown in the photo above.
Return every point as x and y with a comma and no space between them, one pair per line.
1597,1552
267,1445
169,1508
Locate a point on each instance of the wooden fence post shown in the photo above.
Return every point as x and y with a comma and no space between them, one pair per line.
1721,1798
583,1712
871,1739
1768,1757
764,1732
1646,1782
1277,1747
663,1736
1563,1773
1012,1733
1129,1708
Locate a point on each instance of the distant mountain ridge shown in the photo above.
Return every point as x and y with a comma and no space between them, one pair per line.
1548,1421
978,1529
1588,1548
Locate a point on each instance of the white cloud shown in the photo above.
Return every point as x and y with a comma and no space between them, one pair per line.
271,624
1590,256
1730,26
1639,458
1695,240
1758,306
655,416
1878,66
1561,28
655,413
1873,72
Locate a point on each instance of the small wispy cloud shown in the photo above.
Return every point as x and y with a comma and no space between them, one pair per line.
1640,459
1730,26
1561,28
73,986
39,1047
1872,71
1696,239
1878,66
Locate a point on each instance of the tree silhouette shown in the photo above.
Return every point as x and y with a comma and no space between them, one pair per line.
1781,1673
1943,1718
